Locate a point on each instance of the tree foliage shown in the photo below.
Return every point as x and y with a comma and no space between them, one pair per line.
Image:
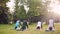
3,12
36,8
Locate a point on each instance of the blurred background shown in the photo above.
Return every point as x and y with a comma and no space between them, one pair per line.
31,10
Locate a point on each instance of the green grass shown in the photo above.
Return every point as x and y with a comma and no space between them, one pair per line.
7,29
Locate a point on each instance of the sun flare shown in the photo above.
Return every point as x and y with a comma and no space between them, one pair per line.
55,6
11,5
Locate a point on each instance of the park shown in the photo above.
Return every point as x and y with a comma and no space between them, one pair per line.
29,16
6,29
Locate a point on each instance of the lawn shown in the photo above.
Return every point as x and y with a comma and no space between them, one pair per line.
7,29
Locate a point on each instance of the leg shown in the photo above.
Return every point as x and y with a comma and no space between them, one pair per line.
50,28
23,28
15,27
38,28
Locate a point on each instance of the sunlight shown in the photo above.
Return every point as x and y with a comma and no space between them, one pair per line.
11,5
55,6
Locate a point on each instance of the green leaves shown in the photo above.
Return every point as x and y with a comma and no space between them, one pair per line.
36,8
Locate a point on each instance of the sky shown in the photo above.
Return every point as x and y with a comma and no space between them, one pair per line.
54,5
11,5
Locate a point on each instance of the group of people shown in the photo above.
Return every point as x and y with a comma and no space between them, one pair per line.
50,25
39,25
24,25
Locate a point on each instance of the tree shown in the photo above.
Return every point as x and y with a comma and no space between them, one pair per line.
36,8
3,12
20,13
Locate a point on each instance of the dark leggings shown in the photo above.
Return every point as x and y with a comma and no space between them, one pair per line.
50,28
23,28
15,27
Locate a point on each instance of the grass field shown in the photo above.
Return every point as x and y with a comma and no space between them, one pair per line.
7,29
